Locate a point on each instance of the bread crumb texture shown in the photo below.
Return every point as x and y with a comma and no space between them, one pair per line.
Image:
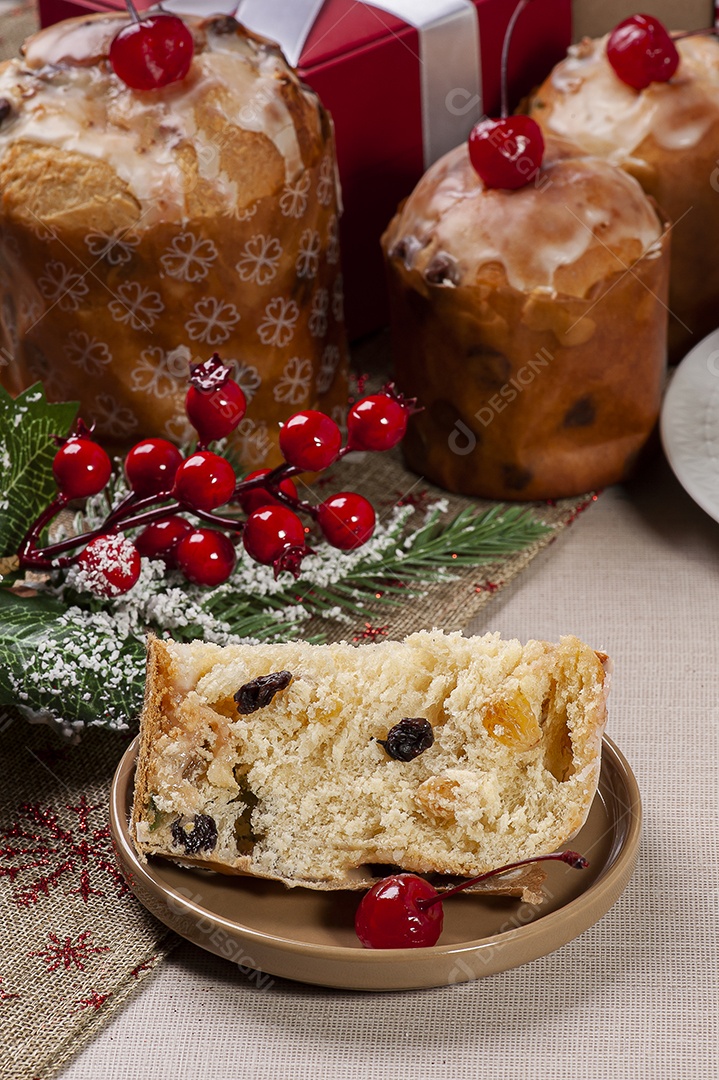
302,791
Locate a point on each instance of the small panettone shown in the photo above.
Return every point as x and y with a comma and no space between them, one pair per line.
316,764
530,324
142,231
667,136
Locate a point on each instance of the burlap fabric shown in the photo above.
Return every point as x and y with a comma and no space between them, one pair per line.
74,941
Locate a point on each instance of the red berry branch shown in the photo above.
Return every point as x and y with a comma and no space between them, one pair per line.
165,486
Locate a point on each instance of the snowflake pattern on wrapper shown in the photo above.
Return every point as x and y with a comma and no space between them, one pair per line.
116,251
294,199
62,286
278,325
189,257
161,373
212,321
294,383
39,854
260,259
87,353
116,419
136,307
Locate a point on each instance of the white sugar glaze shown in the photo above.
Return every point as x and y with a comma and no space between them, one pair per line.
64,94
580,204
605,116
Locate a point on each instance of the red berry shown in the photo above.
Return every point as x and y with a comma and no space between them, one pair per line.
641,52
388,916
153,52
81,468
151,465
310,440
506,153
258,497
346,519
204,481
270,531
214,414
159,539
377,422
110,565
206,556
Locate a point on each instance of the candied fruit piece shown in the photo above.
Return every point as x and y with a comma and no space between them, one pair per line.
513,722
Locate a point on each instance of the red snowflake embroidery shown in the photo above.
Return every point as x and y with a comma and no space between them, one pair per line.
371,633
66,954
95,1000
37,844
146,965
488,586
582,507
4,996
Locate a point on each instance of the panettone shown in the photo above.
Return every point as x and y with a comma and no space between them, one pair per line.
667,136
531,325
296,778
142,231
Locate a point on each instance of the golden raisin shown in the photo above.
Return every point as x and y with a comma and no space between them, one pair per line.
512,722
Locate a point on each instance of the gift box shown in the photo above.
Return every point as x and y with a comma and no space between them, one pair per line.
405,80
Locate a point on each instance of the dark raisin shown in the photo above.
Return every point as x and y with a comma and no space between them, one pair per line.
5,109
258,693
199,834
408,739
582,413
443,269
223,24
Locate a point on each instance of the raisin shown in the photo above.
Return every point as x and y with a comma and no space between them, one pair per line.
258,693
223,24
408,739
199,835
5,109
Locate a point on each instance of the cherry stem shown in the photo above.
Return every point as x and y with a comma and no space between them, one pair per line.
132,10
572,858
504,113
679,35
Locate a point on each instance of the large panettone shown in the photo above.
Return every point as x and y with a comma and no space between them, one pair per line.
531,325
667,136
141,231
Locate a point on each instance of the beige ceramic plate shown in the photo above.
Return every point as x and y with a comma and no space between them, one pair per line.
309,936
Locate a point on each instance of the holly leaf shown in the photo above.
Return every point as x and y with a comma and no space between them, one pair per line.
56,665
27,485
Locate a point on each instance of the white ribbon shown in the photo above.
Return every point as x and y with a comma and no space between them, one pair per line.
450,67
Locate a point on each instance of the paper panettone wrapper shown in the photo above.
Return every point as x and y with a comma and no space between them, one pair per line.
109,302
530,395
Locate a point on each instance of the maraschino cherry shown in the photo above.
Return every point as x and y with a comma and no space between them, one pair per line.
151,52
403,911
507,152
641,52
